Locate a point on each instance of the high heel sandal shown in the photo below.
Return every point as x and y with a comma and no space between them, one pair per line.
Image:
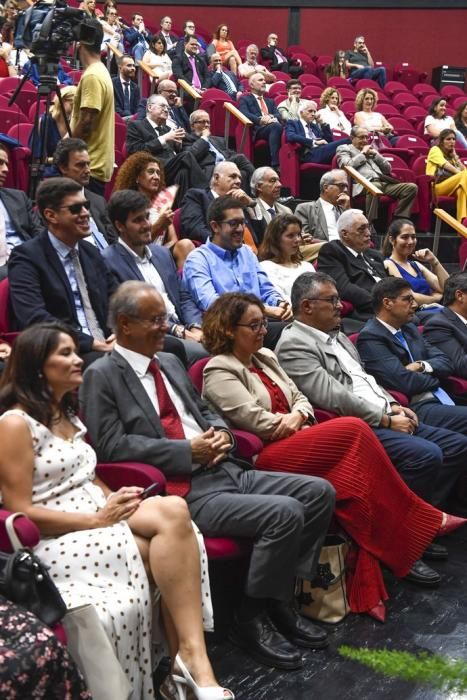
186,680
378,612
452,523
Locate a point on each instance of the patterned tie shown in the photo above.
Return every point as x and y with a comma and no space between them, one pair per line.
272,211
173,429
440,394
93,324
4,250
229,84
196,82
126,97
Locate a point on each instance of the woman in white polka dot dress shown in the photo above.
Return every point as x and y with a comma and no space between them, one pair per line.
103,548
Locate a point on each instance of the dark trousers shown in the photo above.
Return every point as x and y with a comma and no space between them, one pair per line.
273,134
324,153
285,516
450,417
3,272
430,461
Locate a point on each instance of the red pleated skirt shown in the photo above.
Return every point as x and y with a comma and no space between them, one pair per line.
387,521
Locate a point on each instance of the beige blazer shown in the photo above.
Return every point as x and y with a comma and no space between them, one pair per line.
240,396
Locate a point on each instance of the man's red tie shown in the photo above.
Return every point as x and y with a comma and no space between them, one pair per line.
173,428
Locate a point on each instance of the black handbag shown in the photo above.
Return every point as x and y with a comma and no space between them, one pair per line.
24,580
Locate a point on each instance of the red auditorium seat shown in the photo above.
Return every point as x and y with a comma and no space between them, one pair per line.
306,62
394,86
422,89
340,82
312,92
292,169
298,48
451,91
414,113
408,74
388,111
321,63
401,126
414,143
21,132
6,332
367,83
310,79
404,99
277,88
280,75
458,101
346,93
425,198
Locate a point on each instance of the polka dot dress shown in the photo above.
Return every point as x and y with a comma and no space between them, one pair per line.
101,566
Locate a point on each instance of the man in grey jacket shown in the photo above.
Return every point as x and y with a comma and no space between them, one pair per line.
319,218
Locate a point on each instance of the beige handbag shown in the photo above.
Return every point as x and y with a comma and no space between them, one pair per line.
94,655
325,598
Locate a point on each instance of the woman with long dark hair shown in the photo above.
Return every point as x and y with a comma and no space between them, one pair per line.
449,171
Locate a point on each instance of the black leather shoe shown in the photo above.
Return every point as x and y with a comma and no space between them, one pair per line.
435,552
298,629
263,642
423,575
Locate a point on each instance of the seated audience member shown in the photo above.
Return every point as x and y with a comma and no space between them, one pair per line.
189,32
246,384
360,64
181,160
166,32
226,180
52,126
354,266
225,264
189,66
288,109
319,218
137,37
449,172
126,91
447,330
313,135
224,79
402,260
20,222
113,30
89,6
278,60
168,425
262,111
279,253
200,125
396,353
178,117
460,119
59,276
329,112
251,65
47,470
71,159
438,120
326,367
224,46
143,172
375,122
365,158
157,59
337,68
134,257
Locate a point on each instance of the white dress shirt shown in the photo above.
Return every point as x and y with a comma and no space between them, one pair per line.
331,222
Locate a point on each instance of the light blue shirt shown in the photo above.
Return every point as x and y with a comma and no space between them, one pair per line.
209,271
12,238
63,252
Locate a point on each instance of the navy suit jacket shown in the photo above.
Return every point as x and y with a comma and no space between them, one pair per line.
40,291
123,266
119,100
448,333
133,36
217,82
248,105
385,358
296,133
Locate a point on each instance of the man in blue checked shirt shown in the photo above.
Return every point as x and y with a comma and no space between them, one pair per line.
224,264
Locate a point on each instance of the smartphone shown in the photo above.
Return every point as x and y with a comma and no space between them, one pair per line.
149,491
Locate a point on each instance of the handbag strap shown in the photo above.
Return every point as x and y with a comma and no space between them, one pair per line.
11,532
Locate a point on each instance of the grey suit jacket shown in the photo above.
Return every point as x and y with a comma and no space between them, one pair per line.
316,369
259,212
313,219
122,422
370,168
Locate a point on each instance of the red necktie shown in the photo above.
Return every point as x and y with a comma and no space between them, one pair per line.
173,428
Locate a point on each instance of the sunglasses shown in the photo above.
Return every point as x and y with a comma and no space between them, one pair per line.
75,209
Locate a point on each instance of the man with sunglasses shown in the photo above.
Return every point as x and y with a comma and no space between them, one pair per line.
60,276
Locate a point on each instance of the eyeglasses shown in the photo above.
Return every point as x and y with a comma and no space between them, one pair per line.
75,209
169,91
202,121
340,185
408,298
256,326
234,223
334,300
154,321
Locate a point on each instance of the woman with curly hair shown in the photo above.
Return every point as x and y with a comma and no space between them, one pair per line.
225,48
144,173
365,116
330,111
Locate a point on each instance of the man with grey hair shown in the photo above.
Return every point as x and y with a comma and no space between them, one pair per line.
354,266
365,158
224,79
319,218
310,132
251,65
140,404
359,62
263,112
178,116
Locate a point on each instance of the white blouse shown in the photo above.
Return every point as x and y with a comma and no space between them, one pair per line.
283,277
335,119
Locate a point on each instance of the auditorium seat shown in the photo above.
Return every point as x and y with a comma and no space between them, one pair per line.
298,48
293,172
408,74
306,62
312,92
310,79
388,111
339,83
425,196
414,113
451,91
458,101
21,132
413,142
394,86
401,126
422,89
362,83
404,99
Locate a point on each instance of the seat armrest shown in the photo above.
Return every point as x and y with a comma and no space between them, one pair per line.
118,474
248,445
26,530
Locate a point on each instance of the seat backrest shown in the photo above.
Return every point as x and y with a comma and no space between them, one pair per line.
310,79
419,165
411,141
21,132
5,324
196,373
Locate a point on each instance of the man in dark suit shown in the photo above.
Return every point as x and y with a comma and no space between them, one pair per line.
133,257
178,116
312,134
140,405
223,79
58,275
352,264
277,59
71,159
319,218
189,66
447,330
262,111
181,159
126,91
166,32
396,353
136,37
18,221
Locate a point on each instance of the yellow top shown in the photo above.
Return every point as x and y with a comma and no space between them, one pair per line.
436,159
95,91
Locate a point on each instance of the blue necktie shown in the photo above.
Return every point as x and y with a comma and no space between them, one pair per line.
99,239
218,155
440,394
272,211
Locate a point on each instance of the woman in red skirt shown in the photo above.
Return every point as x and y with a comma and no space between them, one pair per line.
246,384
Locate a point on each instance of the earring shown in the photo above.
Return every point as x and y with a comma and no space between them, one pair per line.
40,375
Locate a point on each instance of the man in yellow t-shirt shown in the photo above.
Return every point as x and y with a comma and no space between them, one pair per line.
93,118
